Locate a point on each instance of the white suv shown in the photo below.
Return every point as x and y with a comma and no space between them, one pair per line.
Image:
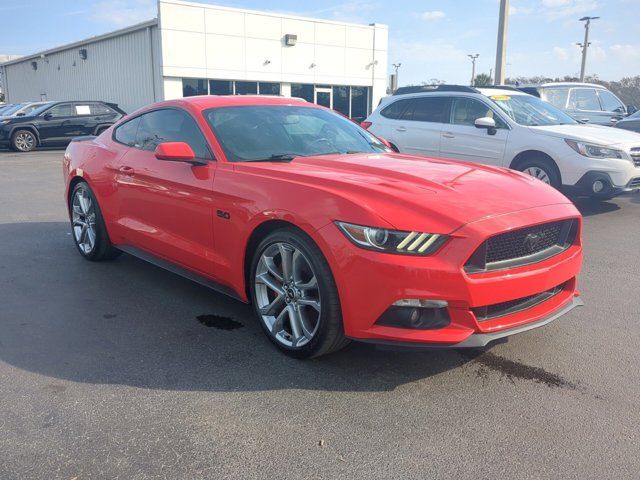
505,127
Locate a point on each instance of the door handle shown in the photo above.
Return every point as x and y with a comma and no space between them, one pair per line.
448,135
129,171
401,129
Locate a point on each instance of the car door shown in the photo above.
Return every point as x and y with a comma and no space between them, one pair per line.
461,140
102,115
56,124
419,128
85,118
584,106
165,207
612,107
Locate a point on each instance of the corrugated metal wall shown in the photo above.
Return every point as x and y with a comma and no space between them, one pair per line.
117,69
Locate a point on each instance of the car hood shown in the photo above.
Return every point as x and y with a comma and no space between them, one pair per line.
412,192
598,134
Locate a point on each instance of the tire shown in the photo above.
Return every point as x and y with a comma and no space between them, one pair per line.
316,326
543,169
23,141
87,225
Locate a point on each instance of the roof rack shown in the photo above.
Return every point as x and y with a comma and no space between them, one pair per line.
434,88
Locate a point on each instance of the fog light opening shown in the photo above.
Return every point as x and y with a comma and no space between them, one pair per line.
416,314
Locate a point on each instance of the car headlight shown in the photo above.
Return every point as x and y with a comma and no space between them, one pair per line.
4,122
594,151
392,241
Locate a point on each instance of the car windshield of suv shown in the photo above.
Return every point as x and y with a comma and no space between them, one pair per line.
530,111
282,132
29,109
41,108
12,110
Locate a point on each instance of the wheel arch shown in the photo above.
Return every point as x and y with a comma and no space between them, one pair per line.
535,154
28,127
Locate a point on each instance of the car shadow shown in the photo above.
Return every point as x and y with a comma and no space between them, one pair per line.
130,323
589,206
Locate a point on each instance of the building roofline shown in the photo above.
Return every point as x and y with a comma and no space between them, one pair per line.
272,14
94,39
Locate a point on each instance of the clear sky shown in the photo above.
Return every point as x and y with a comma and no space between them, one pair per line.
431,38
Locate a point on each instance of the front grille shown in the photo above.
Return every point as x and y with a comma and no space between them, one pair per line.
523,246
635,156
496,310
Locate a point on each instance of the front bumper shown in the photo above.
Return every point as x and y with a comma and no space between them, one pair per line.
585,186
369,282
576,169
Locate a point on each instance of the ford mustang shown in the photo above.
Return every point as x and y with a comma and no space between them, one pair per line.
329,234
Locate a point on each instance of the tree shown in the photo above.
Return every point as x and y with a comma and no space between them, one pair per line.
482,80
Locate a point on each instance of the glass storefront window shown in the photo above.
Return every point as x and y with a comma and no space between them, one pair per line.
269,88
341,100
194,86
246,88
220,87
359,103
301,90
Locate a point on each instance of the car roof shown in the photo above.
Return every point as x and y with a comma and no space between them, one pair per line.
492,92
211,101
568,84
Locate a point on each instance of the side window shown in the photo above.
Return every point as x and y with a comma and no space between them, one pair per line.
610,102
171,126
467,110
428,109
584,99
395,110
62,110
100,109
556,96
126,133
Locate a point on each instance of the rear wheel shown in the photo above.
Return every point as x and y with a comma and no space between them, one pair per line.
24,141
87,225
295,297
542,169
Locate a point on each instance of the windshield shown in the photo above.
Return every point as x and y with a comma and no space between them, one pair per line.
531,111
39,109
272,132
28,109
12,109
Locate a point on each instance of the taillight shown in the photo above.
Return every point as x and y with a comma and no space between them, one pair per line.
365,125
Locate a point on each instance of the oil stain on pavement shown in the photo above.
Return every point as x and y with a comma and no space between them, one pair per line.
219,322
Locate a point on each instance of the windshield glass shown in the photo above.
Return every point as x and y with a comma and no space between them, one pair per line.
264,132
531,111
12,109
40,108
28,109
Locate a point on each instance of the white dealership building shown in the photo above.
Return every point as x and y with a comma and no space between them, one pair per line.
199,49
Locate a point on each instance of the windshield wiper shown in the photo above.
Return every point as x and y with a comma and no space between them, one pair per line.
281,157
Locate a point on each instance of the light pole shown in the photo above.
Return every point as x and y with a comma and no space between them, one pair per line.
585,45
397,67
473,67
501,49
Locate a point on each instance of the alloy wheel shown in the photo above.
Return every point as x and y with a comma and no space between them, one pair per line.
287,294
24,141
538,173
83,216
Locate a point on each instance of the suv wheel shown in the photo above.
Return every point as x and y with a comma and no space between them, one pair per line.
542,169
24,141
295,296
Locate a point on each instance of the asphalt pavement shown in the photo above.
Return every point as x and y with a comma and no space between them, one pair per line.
121,370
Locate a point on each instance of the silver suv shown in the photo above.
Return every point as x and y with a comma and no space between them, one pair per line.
586,102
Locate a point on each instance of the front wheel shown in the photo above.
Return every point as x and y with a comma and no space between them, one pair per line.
24,141
543,170
87,225
295,297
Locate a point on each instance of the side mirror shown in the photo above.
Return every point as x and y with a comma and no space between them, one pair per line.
387,144
487,123
176,152
631,109
47,116
21,114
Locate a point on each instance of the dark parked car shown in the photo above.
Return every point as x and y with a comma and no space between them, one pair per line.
56,123
632,122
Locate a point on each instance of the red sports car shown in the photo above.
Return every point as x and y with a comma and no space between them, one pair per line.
331,236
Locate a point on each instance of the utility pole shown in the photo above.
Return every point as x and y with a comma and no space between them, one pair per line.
473,67
397,67
501,50
585,45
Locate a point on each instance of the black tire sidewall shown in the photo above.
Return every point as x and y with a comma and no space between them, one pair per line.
15,135
102,248
330,316
545,165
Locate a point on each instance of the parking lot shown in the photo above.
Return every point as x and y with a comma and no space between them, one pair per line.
123,370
